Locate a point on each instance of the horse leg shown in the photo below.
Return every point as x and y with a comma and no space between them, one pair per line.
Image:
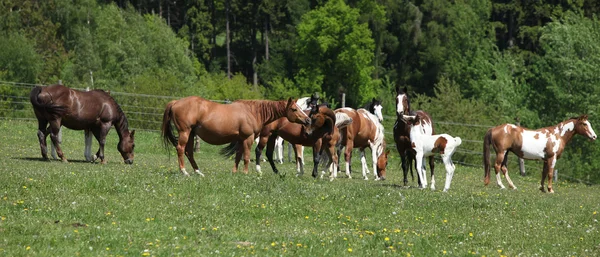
544,175
505,171
245,150
317,159
258,152
498,165
184,135
42,133
449,171
299,153
420,169
87,153
431,165
270,145
374,158
54,130
348,157
101,137
550,172
52,150
279,148
189,152
363,163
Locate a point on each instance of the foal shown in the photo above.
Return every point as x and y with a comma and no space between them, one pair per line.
542,144
427,145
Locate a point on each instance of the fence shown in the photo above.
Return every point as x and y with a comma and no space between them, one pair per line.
144,112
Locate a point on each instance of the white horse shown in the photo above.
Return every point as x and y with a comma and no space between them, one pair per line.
427,145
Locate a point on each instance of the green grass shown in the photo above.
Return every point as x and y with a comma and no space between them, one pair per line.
149,208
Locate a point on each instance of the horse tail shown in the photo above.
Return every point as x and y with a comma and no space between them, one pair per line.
167,131
229,150
487,141
34,96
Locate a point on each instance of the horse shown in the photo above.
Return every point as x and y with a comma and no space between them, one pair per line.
428,145
545,144
365,131
235,124
402,133
94,111
322,134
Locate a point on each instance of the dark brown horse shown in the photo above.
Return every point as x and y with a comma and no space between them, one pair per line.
545,144
322,135
94,111
236,124
365,131
402,133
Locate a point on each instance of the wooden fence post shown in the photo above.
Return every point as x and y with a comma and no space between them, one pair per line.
521,163
343,100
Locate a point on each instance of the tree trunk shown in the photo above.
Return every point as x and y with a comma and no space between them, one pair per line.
254,57
266,34
227,2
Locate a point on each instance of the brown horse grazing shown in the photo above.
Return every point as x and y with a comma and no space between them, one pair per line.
321,134
402,133
236,124
541,144
365,131
94,111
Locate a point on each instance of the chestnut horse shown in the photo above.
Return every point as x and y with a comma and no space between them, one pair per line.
236,124
402,133
428,145
322,134
94,111
365,131
545,144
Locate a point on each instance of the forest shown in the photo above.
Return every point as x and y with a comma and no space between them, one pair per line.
483,61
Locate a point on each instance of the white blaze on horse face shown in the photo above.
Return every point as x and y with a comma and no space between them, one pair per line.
399,106
534,144
303,113
591,133
378,113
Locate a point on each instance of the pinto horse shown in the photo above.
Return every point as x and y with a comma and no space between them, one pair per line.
365,131
402,133
545,144
428,145
94,111
322,134
236,124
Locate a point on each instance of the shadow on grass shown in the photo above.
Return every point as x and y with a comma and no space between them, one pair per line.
40,159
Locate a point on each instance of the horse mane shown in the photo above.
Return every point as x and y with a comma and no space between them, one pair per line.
330,117
266,109
121,124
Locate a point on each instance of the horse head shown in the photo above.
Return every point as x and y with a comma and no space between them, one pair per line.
126,146
375,107
402,101
382,162
584,127
295,114
321,117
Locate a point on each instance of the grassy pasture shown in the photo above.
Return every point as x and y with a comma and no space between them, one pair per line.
150,209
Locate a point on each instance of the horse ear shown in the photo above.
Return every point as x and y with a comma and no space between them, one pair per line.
289,102
132,133
397,89
387,152
583,117
405,89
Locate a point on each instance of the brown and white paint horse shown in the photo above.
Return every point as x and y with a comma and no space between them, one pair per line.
402,132
545,144
236,124
428,145
365,131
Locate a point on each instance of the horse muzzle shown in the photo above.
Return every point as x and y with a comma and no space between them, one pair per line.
129,161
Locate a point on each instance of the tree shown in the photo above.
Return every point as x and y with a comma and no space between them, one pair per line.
335,53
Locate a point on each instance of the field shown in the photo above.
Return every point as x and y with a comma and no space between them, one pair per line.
150,209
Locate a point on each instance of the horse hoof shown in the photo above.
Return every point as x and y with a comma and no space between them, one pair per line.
366,178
